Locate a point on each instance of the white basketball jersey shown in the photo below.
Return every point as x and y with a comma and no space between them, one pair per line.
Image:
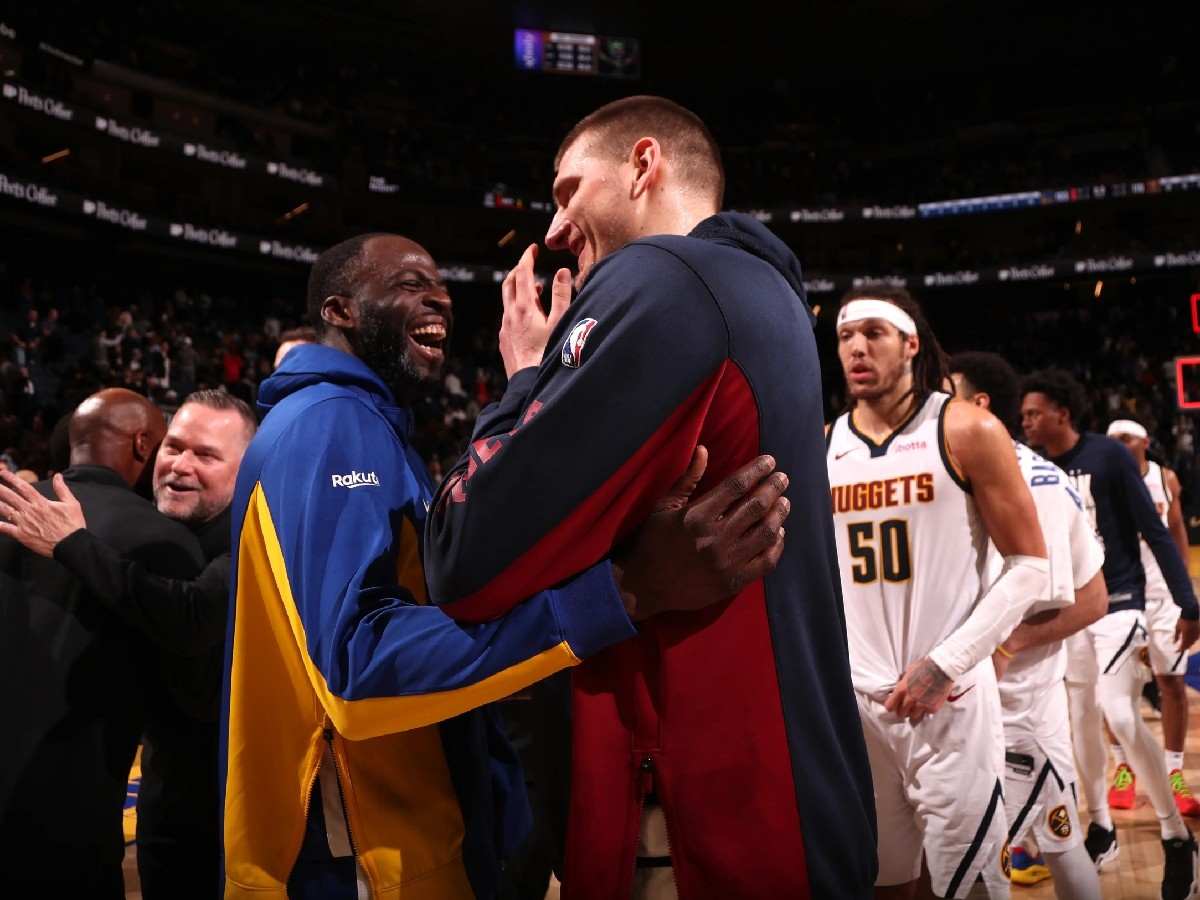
911,545
1156,484
1074,555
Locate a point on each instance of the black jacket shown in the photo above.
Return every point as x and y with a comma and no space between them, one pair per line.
185,621
75,673
183,618
179,801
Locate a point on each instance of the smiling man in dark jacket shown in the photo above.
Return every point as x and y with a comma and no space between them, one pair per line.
77,669
733,729
178,840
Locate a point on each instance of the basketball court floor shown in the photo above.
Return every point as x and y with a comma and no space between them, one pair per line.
1136,875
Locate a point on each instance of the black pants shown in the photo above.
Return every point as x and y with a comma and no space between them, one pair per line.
101,882
179,829
539,725
179,867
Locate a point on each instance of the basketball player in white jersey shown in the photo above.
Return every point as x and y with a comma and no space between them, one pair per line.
1167,660
1104,680
1039,789
918,485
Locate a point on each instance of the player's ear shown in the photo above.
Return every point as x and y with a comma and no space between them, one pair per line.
338,311
646,158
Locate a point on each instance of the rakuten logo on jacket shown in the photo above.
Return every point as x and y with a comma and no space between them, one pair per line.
356,479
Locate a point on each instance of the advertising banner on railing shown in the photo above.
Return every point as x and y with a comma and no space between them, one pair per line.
38,101
37,194
152,139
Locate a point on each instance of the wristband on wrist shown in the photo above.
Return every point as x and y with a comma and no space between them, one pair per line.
1000,649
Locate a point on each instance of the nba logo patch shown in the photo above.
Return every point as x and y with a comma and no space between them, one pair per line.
572,352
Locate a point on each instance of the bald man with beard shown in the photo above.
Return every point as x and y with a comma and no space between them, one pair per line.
74,670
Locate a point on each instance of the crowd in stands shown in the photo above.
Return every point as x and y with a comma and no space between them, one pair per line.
61,340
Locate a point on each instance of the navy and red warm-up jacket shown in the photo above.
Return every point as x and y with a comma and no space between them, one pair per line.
740,718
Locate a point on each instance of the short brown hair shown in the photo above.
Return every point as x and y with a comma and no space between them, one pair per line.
218,399
685,139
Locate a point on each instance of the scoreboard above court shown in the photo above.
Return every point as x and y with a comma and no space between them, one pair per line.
577,54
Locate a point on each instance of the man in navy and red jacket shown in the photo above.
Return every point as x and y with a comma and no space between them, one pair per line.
689,328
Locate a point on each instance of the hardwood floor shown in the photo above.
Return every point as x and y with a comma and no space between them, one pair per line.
1137,873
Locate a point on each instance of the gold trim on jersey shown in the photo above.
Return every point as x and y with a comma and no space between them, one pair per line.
879,448
944,450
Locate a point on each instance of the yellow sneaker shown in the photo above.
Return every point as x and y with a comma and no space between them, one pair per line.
1026,869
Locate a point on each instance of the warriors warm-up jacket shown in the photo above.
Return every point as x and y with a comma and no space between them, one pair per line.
740,718
353,740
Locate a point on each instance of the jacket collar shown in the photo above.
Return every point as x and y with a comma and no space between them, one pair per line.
89,474
312,364
214,535
399,417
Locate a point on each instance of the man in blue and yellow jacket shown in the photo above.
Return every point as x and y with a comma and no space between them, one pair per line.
358,758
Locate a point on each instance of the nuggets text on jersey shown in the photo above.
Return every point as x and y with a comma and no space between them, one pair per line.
900,491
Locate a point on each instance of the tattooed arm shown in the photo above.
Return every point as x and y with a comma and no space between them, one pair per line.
981,452
921,692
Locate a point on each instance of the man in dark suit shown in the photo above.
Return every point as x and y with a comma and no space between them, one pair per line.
75,670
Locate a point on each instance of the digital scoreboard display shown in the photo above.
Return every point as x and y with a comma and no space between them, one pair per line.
577,54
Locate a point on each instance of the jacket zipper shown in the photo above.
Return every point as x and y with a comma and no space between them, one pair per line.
337,775
647,785
309,791
647,778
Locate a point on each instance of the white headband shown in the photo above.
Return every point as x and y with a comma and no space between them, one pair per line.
872,308
1125,426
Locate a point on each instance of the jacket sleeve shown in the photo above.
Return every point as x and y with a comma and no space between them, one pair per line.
501,417
180,615
378,656
1150,526
610,421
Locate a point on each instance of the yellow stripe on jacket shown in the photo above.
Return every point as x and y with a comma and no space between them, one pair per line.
405,817
403,811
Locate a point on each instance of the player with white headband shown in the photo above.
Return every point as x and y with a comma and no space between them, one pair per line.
1168,659
918,486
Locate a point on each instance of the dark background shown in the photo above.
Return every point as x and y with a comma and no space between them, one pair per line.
850,104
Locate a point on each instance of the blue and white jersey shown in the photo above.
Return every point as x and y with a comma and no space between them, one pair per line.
1156,483
1075,556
